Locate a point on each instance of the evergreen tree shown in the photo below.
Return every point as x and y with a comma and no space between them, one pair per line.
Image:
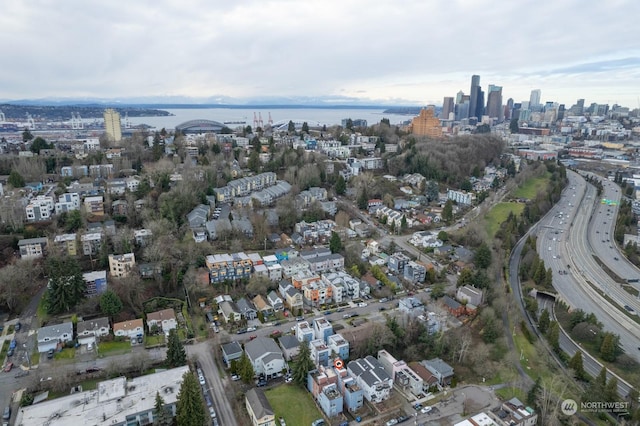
447,211
532,395
548,279
190,406
291,127
335,243
303,366
245,369
110,303
482,257
176,355
554,335
15,179
543,322
363,199
608,348
403,223
576,364
161,414
341,185
611,390
305,127
66,286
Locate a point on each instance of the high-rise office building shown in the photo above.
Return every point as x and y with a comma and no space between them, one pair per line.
479,105
447,107
494,103
112,124
459,97
508,109
473,97
534,100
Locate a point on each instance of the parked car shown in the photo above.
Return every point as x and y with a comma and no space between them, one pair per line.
417,407
6,414
17,327
201,380
251,329
299,318
392,422
242,331
235,377
212,412
275,333
10,352
8,367
426,409
50,353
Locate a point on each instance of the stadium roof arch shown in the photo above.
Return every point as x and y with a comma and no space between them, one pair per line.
200,126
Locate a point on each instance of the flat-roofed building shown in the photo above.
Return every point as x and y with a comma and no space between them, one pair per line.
114,402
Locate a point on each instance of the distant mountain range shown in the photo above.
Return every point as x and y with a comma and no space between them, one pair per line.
216,101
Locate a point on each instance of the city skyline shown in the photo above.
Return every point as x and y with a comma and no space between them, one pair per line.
390,53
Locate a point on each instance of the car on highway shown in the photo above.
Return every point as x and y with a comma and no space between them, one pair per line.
629,309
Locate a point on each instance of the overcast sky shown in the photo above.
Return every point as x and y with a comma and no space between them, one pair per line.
391,51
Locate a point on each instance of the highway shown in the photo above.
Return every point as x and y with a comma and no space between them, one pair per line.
562,244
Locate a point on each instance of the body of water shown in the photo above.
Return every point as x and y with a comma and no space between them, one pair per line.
313,116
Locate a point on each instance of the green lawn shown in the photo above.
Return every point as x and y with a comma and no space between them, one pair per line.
35,357
154,340
5,349
294,404
499,214
111,348
66,353
531,187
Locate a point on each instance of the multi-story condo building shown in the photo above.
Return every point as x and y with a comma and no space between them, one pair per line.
67,202
121,265
32,248
91,243
40,208
228,267
94,205
67,243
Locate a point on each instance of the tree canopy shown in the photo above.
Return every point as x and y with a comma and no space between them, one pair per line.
176,355
66,285
110,303
190,406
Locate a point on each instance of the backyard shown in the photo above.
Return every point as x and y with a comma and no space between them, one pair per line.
302,413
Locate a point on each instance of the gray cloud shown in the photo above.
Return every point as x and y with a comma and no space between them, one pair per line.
399,51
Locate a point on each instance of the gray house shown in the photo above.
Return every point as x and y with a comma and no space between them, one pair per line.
275,301
90,329
440,369
231,351
50,336
290,346
246,309
265,356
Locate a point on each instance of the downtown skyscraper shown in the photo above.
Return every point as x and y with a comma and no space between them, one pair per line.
494,103
474,97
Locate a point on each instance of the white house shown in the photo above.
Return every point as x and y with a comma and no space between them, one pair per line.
50,336
165,320
130,329
372,378
265,356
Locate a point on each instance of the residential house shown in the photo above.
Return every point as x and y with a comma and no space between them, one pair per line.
304,332
469,294
121,265
372,378
95,282
40,209
33,248
514,413
414,272
67,243
322,329
120,207
67,202
323,385
262,305
150,270
290,346
265,356
293,298
440,369
275,301
231,352
164,320
429,381
142,237
91,243
453,306
247,309
94,205
131,329
402,375
339,346
229,311
397,261
88,330
49,337
259,409
319,352
411,306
